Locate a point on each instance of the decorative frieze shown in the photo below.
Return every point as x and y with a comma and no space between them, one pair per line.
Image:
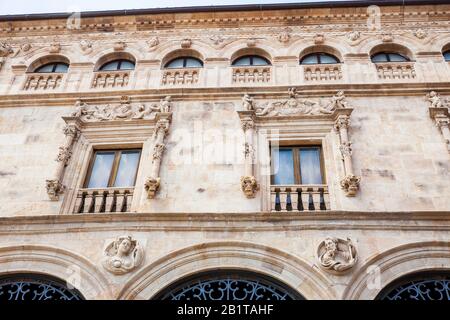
123,255
439,112
336,255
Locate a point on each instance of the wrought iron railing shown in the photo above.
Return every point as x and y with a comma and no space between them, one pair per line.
299,198
103,200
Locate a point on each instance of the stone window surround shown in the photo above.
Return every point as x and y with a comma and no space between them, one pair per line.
106,135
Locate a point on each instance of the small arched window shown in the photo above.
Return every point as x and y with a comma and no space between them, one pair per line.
446,55
53,67
319,58
184,62
116,65
251,61
388,57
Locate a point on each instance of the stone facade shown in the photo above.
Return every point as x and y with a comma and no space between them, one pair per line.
203,198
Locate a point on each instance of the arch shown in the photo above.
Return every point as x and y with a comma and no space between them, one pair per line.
384,268
446,51
28,287
181,53
251,51
109,57
58,263
247,257
321,48
46,59
393,48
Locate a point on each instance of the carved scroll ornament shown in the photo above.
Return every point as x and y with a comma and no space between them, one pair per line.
123,255
336,255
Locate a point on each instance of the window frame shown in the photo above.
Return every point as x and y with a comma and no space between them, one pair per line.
446,52
297,161
115,167
55,65
251,56
317,55
184,58
119,63
387,53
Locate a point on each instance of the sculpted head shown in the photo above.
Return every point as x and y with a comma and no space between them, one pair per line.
331,244
124,245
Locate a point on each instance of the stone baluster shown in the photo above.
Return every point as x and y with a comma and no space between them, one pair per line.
350,183
249,184
54,186
161,130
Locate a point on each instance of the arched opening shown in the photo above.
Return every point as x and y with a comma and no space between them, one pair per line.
50,64
390,52
251,60
425,286
228,285
320,54
35,287
446,52
116,61
184,62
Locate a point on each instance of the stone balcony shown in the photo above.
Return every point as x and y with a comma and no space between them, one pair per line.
103,200
43,81
176,77
395,70
251,74
322,72
111,79
299,198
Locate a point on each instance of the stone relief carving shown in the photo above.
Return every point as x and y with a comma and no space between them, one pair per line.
86,46
248,102
249,186
5,50
420,34
217,39
123,255
387,37
300,106
319,38
439,111
436,101
55,47
153,43
186,43
251,42
353,36
350,184
284,36
336,255
119,46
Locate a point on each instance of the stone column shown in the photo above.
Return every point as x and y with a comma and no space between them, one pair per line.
161,130
350,183
54,186
441,118
248,182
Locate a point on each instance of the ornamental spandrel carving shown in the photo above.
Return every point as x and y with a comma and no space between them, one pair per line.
336,255
295,105
123,255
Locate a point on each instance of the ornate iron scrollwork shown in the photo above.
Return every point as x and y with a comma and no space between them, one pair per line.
19,288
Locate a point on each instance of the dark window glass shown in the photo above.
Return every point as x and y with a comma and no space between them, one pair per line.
251,61
447,55
116,168
184,62
117,65
296,165
53,67
388,57
319,58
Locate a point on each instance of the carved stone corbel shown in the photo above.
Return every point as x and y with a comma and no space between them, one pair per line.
350,182
54,186
163,119
249,184
439,112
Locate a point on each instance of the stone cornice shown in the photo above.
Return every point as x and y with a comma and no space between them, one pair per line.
225,93
230,222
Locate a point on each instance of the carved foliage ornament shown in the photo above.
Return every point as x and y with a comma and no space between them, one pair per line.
350,184
249,186
123,255
336,255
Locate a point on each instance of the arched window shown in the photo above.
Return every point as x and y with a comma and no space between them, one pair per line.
446,55
115,65
251,60
319,58
52,67
229,285
425,286
29,287
388,57
184,62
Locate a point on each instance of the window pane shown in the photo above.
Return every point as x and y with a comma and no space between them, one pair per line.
126,173
310,59
126,65
244,61
310,166
46,68
113,65
326,58
177,63
61,67
283,166
379,57
193,63
259,61
394,57
447,56
101,170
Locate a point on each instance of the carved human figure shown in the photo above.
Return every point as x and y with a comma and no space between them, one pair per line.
123,255
247,102
435,100
122,111
338,101
333,257
81,109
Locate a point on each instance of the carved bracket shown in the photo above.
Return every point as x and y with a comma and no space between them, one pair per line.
439,112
